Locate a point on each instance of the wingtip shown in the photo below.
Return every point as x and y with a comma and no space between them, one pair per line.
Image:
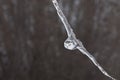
54,1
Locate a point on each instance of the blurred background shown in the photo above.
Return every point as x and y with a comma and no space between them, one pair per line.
32,36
